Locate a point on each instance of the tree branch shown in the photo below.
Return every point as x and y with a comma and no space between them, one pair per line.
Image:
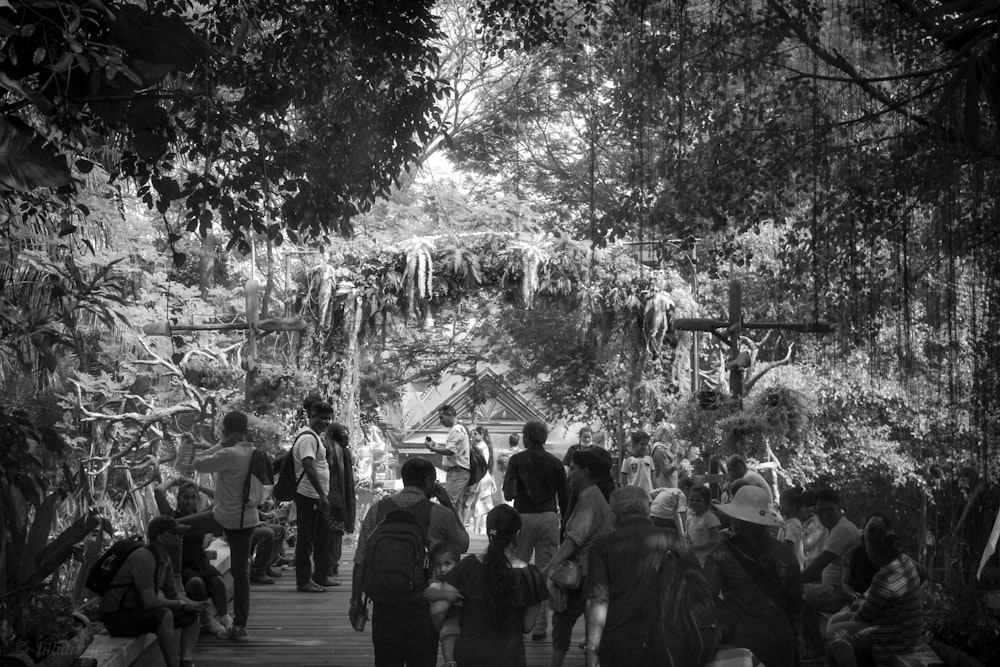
748,385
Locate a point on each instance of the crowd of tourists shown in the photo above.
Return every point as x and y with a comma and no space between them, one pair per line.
624,544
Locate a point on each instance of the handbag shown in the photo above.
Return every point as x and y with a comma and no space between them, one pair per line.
568,575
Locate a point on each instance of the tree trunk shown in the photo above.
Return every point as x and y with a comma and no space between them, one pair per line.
206,265
346,407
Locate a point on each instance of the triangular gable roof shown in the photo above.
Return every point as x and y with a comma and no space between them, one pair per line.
504,403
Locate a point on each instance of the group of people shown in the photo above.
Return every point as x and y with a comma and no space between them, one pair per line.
585,537
170,586
578,537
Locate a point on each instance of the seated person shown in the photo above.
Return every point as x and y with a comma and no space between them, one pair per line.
859,571
200,578
823,578
889,619
142,597
266,545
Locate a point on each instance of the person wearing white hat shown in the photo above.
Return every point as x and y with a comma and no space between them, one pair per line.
760,606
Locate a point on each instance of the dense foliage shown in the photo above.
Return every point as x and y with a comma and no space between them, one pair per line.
837,157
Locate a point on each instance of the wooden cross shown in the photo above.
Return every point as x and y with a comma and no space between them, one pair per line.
252,326
729,333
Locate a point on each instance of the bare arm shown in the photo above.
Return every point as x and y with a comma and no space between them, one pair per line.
566,550
815,569
437,449
530,616
441,591
160,495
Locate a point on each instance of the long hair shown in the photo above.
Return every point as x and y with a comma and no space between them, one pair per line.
502,526
338,433
485,433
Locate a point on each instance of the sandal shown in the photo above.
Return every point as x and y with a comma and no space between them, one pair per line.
311,587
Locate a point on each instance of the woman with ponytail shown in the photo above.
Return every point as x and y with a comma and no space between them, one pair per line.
500,596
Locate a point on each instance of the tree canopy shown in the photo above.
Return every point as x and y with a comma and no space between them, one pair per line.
838,157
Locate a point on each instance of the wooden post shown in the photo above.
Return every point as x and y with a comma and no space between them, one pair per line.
252,294
734,330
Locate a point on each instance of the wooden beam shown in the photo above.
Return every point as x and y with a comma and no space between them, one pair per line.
268,325
801,327
699,324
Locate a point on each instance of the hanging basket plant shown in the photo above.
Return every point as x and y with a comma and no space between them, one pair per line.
418,278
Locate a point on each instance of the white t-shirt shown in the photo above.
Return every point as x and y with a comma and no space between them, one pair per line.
668,503
458,442
699,528
842,538
792,532
308,444
639,471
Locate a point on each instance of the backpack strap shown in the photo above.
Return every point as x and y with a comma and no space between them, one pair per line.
765,579
246,486
306,431
131,584
420,510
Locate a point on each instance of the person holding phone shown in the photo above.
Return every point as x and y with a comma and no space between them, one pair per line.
455,458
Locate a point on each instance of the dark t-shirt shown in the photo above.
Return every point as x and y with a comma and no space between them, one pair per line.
471,578
862,568
536,480
138,572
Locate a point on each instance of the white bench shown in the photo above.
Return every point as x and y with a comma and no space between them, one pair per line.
108,651
924,656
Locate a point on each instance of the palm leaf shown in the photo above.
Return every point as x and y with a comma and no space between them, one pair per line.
26,161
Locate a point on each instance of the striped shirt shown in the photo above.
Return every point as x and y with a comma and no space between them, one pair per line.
443,527
893,606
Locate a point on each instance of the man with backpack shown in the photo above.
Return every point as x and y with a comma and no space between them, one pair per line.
312,501
621,583
140,596
237,494
390,566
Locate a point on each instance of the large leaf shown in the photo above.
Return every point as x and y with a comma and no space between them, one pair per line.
38,536
59,550
26,161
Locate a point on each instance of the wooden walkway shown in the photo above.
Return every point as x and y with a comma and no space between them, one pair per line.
292,629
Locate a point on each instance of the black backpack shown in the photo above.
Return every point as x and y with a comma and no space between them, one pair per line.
286,483
477,465
395,564
685,631
260,467
108,563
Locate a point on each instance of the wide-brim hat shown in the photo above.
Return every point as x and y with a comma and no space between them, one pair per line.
750,504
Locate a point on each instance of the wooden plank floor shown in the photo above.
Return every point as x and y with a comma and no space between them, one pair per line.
292,629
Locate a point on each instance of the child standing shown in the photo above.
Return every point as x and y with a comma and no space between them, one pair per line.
637,469
443,557
702,524
791,531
